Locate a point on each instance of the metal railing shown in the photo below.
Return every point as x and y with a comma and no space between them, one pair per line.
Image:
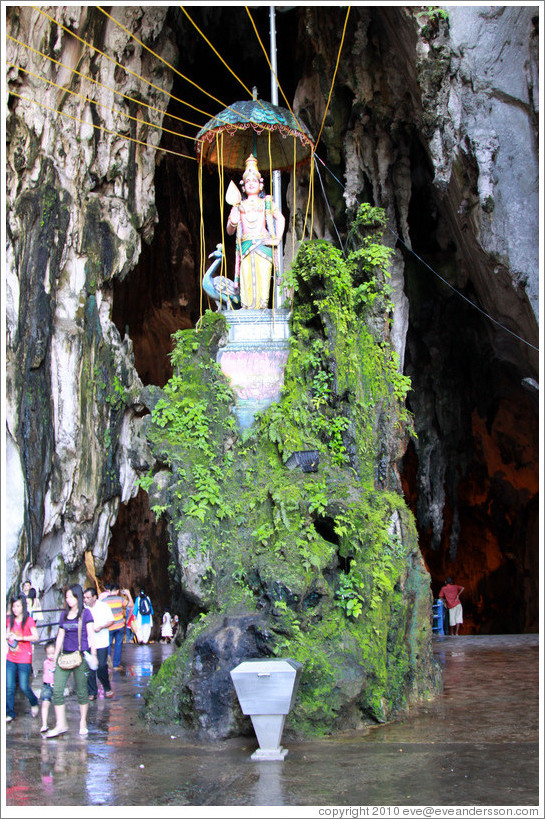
48,624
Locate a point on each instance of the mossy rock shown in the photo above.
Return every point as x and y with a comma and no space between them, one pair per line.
322,567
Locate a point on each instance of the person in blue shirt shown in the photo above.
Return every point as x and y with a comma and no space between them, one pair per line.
143,611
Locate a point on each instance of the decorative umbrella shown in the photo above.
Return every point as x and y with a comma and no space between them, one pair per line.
246,127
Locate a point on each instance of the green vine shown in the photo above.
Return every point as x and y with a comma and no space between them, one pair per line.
316,547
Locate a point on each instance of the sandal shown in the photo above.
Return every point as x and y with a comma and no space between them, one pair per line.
84,732
55,732
43,729
109,694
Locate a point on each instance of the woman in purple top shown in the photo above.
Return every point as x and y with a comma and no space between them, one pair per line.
67,641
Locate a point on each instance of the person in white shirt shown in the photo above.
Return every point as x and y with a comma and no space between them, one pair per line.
103,619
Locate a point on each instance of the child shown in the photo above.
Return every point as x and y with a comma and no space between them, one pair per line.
166,628
47,683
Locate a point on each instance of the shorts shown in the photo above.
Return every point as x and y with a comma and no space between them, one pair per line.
455,615
47,692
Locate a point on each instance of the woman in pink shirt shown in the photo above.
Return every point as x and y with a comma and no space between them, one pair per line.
21,633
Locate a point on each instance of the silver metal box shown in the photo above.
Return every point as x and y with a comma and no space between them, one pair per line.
266,686
266,691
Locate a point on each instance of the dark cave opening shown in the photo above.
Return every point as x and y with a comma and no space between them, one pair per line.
477,453
471,477
138,556
325,526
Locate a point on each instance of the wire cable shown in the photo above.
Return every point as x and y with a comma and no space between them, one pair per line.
101,127
218,55
435,273
333,80
465,298
270,66
102,85
120,65
198,87
100,104
329,209
250,93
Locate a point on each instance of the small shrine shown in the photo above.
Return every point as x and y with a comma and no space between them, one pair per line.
248,137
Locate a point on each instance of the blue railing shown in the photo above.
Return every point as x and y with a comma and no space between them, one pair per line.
438,626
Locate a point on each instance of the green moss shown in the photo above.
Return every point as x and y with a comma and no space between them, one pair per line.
329,554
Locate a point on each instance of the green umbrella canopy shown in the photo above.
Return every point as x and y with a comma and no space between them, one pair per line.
246,126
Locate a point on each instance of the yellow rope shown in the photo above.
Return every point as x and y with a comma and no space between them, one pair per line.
205,38
201,234
216,52
107,87
270,66
86,99
293,205
101,127
223,271
120,65
310,196
272,220
333,80
198,87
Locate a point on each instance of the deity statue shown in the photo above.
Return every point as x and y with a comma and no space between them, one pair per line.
259,225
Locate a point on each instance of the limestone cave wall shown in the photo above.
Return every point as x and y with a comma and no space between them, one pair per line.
433,117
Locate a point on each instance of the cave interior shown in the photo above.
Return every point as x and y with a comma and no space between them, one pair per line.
471,477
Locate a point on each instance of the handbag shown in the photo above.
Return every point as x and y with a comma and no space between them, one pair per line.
74,658
70,661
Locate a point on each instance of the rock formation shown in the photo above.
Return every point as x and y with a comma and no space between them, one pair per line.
81,199
433,117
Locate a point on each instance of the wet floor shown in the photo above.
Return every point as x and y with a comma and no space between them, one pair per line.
476,744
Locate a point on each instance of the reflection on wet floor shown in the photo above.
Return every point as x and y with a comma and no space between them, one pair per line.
476,744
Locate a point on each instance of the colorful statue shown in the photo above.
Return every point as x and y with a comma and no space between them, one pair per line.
259,226
220,288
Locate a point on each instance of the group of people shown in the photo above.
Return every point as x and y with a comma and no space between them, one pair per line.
89,639
34,606
169,627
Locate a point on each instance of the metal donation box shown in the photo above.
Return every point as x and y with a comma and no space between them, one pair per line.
266,691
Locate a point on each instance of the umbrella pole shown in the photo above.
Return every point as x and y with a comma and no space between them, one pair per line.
277,189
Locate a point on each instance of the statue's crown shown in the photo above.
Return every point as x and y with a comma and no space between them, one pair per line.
251,168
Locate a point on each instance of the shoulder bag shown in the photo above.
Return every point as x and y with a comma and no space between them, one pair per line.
74,658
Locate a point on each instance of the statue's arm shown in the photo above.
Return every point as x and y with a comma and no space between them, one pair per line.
233,220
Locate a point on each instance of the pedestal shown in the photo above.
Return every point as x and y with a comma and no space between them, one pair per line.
268,730
254,359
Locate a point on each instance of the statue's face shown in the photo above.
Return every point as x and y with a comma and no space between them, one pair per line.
252,184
